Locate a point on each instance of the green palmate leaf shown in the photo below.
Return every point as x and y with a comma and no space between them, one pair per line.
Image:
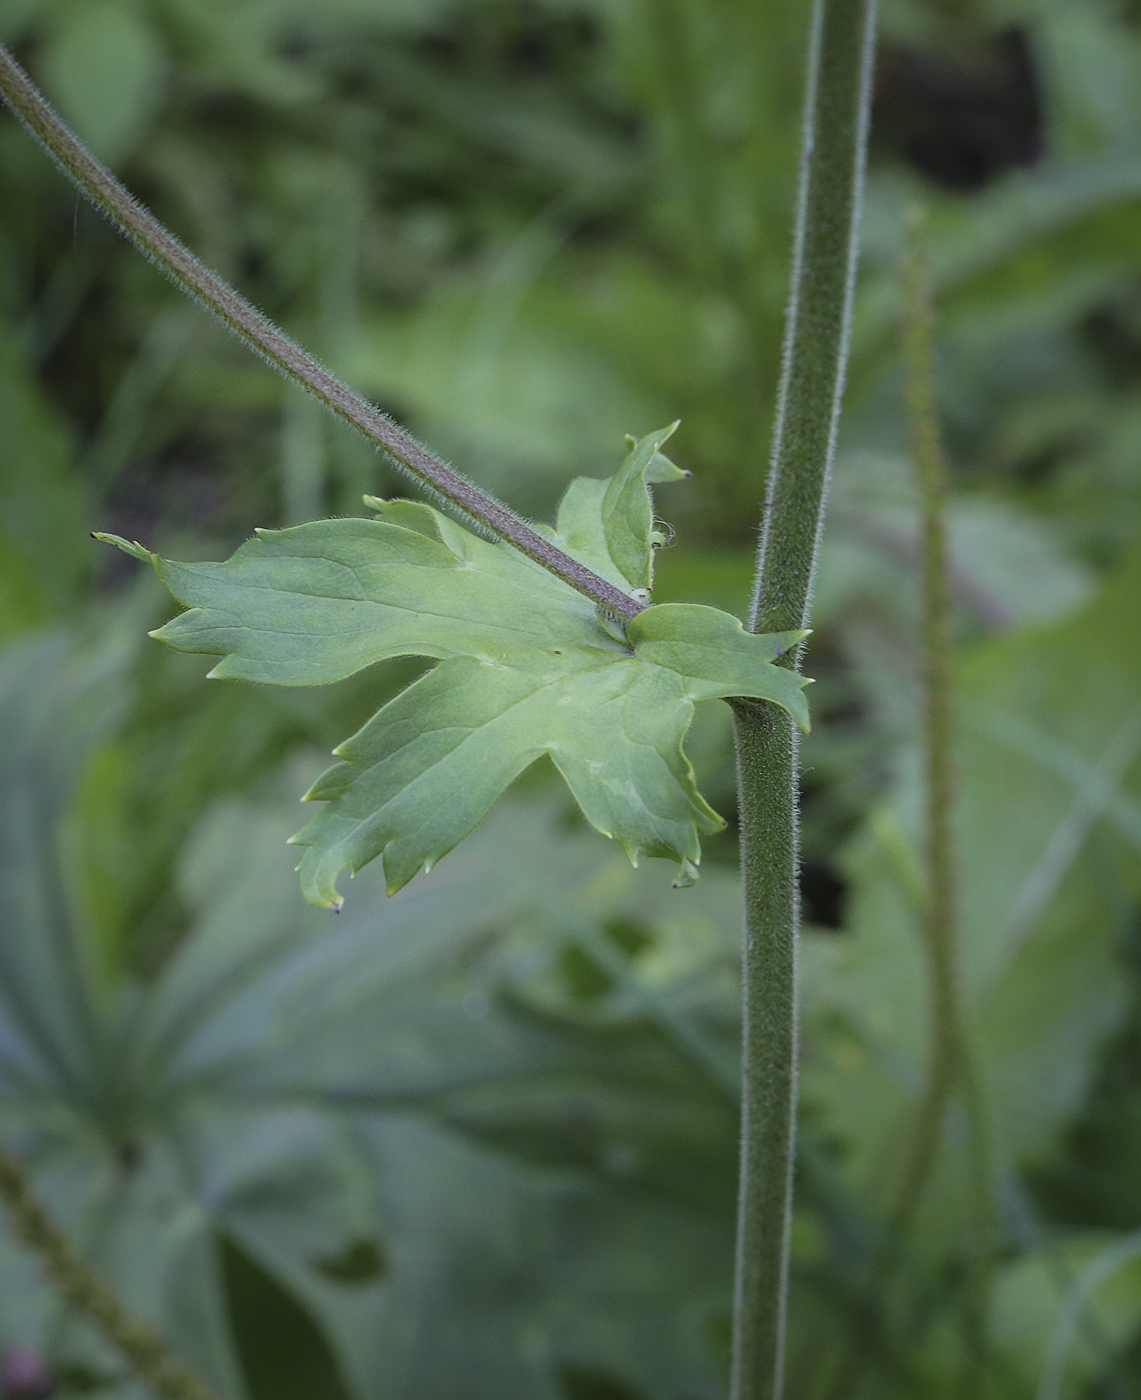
527,668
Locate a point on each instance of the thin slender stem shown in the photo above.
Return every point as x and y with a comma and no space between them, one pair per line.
694,169
90,1294
817,333
279,350
951,1066
940,905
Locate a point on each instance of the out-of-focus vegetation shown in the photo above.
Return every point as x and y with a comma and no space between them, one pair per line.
480,1140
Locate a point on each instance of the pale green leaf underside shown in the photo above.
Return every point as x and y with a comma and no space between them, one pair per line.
526,669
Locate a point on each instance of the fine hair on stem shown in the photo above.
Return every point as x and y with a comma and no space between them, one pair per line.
817,330
939,912
950,1061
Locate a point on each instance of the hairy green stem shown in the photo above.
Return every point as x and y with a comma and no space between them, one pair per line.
939,911
817,334
279,350
90,1294
951,1067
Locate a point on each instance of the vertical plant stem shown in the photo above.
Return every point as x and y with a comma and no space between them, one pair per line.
90,1294
939,911
817,333
694,175
951,1067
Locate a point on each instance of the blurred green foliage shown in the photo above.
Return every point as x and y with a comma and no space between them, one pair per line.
479,1140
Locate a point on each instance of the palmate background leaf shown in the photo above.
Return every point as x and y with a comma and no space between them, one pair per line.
327,1101
317,1105
526,668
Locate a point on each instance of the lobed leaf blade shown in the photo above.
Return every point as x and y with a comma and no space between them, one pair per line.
526,667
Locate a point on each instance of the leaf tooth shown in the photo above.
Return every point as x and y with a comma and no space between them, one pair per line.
687,874
131,547
393,884
335,902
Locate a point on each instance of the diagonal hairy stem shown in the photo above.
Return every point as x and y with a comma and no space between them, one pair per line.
279,350
816,347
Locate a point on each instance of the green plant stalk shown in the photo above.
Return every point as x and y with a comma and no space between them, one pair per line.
817,334
279,350
949,1068
695,176
934,893
951,1065
939,912
87,1292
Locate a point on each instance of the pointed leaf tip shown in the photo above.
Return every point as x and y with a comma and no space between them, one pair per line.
627,514
687,875
131,547
662,470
